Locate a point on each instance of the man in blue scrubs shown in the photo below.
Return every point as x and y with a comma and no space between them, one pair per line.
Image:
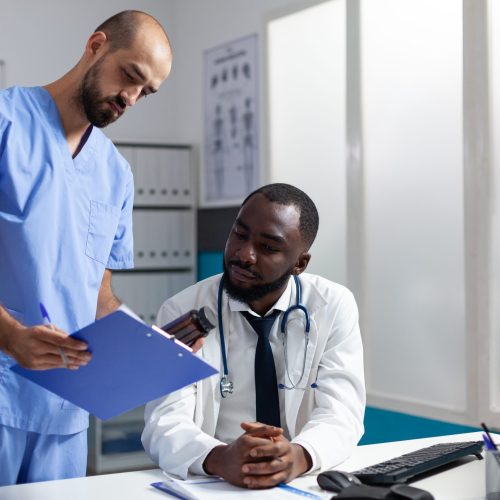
66,198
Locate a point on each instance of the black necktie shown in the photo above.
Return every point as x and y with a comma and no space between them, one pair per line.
266,384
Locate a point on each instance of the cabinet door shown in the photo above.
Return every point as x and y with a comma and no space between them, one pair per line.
145,292
164,221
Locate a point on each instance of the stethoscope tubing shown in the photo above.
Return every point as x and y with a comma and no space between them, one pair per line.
226,386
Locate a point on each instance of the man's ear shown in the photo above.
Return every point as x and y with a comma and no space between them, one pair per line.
96,43
301,264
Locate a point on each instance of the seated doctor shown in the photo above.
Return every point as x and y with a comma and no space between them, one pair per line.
290,397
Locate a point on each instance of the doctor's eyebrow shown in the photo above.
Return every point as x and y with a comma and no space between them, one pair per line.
239,222
273,237
141,76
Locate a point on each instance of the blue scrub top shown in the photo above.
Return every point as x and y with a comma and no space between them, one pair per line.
62,222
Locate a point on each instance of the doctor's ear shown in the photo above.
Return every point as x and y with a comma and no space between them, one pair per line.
96,43
301,264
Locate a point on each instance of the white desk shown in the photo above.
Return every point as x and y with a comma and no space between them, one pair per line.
464,482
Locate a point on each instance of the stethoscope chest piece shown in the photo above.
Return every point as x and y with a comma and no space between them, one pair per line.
226,386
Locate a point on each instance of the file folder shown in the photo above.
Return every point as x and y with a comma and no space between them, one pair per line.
214,488
132,363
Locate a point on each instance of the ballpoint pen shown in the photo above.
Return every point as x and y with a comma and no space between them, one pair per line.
488,443
47,322
488,435
489,447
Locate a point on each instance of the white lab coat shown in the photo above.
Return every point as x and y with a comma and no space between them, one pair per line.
180,428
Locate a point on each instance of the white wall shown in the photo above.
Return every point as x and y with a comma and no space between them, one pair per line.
493,361
412,131
306,73
418,194
202,25
41,40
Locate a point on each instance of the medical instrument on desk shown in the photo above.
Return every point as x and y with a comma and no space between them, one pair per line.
225,385
48,323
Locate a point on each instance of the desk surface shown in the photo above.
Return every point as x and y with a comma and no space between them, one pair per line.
463,482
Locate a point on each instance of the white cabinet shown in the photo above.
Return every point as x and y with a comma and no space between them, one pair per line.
164,221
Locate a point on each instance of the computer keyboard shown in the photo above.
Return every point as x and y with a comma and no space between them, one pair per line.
404,467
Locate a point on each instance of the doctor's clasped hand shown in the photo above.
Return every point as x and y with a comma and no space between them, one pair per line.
260,458
277,462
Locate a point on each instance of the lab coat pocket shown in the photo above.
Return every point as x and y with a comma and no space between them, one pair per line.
103,223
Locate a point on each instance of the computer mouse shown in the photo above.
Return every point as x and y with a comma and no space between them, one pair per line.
336,480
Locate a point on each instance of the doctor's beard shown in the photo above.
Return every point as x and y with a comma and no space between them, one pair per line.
94,104
255,292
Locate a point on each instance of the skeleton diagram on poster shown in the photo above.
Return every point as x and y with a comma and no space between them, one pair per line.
231,148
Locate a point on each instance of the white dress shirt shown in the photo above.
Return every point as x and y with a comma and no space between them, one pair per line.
241,342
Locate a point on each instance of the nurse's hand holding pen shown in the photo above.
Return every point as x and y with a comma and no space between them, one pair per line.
39,347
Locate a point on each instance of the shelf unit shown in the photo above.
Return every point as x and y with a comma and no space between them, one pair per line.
164,219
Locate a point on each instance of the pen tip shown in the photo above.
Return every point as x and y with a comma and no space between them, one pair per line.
43,310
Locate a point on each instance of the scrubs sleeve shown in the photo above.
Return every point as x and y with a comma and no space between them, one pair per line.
122,251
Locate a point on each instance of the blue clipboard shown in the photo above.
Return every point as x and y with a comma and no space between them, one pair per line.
131,364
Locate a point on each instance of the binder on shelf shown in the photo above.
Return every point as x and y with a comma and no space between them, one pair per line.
140,178
155,176
162,238
147,156
187,238
184,175
153,230
168,178
132,363
139,239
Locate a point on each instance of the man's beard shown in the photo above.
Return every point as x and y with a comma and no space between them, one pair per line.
255,292
92,101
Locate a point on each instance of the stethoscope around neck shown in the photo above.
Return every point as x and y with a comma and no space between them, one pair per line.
226,386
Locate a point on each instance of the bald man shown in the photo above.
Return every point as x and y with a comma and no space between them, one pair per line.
66,198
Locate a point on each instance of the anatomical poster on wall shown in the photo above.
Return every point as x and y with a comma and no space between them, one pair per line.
231,150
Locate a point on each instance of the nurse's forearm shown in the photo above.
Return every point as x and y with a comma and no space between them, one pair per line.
106,300
106,305
7,325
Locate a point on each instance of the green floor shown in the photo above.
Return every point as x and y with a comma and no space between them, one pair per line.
383,425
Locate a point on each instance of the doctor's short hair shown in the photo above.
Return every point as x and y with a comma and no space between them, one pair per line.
286,194
122,28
